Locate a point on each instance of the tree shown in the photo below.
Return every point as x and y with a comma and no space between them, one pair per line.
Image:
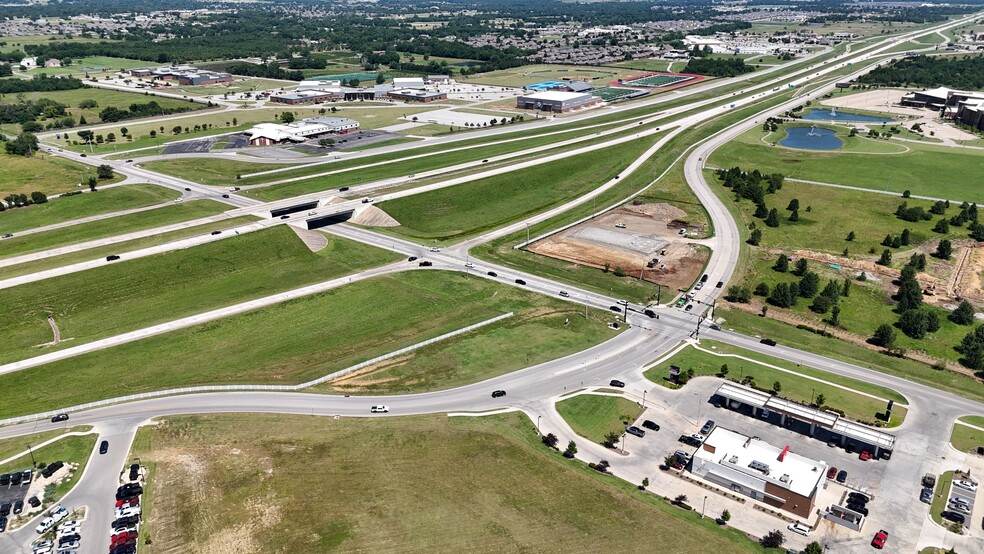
738,294
782,264
794,205
380,79
153,133
571,450
761,210
550,440
884,336
887,241
124,131
909,295
847,287
776,387
913,323
755,237
24,145
726,516
82,120
819,400
972,348
326,142
782,295
835,316
774,539
611,439
800,267
762,289
680,499
176,129
906,193
813,548
91,181
809,284
821,304
38,197
795,216
964,314
851,236
944,250
904,237
724,370
886,258
917,262
942,226
773,218
104,171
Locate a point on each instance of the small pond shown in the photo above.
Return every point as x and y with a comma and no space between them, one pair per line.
811,138
833,115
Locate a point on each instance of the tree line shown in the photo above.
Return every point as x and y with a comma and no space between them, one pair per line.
964,72
40,83
717,67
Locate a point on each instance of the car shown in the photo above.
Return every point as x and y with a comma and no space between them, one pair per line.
58,513
126,521
285,217
865,455
5,508
719,284
850,448
649,313
564,294
616,309
881,537
412,259
842,476
485,161
966,485
926,495
43,547
858,498
33,502
133,489
26,476
498,393
128,511
379,410
227,196
959,500
44,525
104,447
691,440
859,508
708,427
125,530
833,443
129,501
51,468
651,425
616,383
134,468
832,472
67,534
633,430
216,232
688,308
620,226
61,417
953,516
83,154
343,189
112,258
71,545
7,235
768,342
15,479
4,480
962,508
367,200
18,506
492,274
177,200
799,528
469,265
129,161
124,550
520,282
425,264
187,189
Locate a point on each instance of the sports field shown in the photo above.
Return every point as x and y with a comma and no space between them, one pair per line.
657,80
615,93
521,76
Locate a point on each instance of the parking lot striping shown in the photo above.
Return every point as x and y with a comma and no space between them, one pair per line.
46,443
791,372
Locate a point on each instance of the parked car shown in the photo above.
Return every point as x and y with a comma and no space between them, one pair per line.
47,523
959,500
966,485
953,516
652,426
842,476
881,537
498,393
962,508
59,417
5,508
859,508
690,440
616,383
926,496
379,410
633,430
865,455
18,506
104,447
707,428
858,498
831,473
799,528
33,502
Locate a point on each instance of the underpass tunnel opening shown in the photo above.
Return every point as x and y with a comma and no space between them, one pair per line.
319,222
294,209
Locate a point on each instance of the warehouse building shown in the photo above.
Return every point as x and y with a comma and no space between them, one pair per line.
266,134
749,466
556,101
408,82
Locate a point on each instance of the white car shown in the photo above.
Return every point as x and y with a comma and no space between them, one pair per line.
45,524
959,500
176,200
379,409
69,546
469,265
58,513
43,547
962,508
434,249
69,523
127,512
620,226
799,528
69,530
966,485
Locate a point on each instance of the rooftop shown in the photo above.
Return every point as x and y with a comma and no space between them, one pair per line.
555,95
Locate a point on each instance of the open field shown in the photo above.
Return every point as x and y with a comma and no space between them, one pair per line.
455,212
132,294
105,98
917,170
530,74
377,493
288,343
787,334
208,171
966,439
52,262
69,208
593,416
647,65
16,43
74,450
123,224
47,174
240,84
794,386
93,66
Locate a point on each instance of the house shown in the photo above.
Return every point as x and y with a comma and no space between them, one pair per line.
53,62
28,63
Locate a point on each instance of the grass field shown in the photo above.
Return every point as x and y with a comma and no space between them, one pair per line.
136,293
88,254
93,66
208,171
840,350
16,43
966,439
240,84
918,170
113,226
12,447
288,343
75,449
43,173
455,212
646,65
105,98
794,386
530,74
69,208
593,416
377,493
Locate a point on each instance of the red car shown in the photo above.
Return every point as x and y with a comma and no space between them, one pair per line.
881,537
123,537
865,455
831,473
130,502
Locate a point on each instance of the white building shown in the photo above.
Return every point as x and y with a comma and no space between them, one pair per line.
266,134
29,63
408,82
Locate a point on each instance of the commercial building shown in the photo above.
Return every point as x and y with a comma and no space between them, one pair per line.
408,82
438,79
412,95
964,106
305,96
184,74
266,134
556,101
752,467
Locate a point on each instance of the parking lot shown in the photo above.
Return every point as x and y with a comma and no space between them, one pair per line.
961,500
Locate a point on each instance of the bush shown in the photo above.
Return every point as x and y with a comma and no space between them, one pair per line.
774,539
550,440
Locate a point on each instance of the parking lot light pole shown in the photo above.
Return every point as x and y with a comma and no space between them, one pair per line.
538,424
643,399
702,506
31,452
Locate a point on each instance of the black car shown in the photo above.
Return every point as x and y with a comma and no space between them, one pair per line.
953,516
51,468
111,258
412,259
719,285
859,508
768,342
688,308
633,430
188,189
615,309
104,447
492,274
65,539
520,282
704,278
15,479
126,521
227,196
18,506
498,393
616,383
216,232
285,217
5,508
651,425
134,468
425,264
343,189
4,480
64,417
688,440
33,502
649,313
130,549
858,498
3,524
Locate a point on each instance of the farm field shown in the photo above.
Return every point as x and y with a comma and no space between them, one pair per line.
132,294
68,208
508,492
50,175
291,342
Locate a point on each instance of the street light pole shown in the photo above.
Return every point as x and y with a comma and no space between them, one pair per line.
527,233
538,424
643,399
702,506
31,452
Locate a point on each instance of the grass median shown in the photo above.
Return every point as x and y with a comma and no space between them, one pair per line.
59,210
968,439
305,338
132,294
71,450
593,416
374,491
14,446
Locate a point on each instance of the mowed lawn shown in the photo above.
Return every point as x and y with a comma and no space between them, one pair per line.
927,170
404,485
43,173
290,342
593,416
132,294
454,212
110,227
71,450
210,171
795,383
69,208
12,447
968,439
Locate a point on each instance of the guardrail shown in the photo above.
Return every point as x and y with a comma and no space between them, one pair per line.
251,388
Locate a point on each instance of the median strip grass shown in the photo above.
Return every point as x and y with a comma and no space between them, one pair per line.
288,343
209,171
133,294
11,447
968,439
374,490
67,208
593,416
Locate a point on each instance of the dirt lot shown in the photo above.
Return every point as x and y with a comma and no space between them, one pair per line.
650,230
